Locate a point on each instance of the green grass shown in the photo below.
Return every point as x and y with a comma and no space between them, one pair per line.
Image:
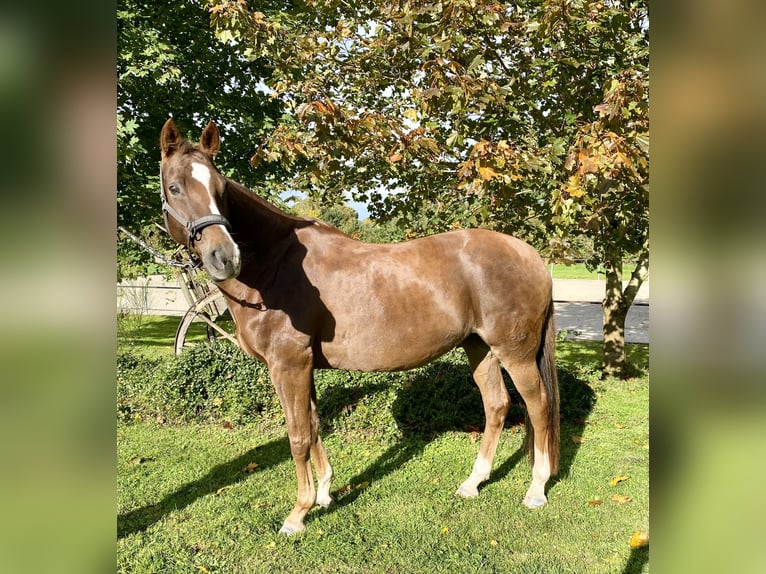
154,334
578,271
186,504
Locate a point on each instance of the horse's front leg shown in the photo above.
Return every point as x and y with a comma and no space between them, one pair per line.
319,456
294,383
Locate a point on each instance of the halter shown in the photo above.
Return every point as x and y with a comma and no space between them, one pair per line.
193,228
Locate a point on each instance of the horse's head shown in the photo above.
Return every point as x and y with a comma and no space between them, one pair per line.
193,203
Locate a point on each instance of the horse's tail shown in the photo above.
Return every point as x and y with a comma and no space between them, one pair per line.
546,364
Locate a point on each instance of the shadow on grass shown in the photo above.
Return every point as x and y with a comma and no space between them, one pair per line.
440,397
268,455
638,558
271,454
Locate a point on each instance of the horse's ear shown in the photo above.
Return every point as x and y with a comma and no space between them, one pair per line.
210,141
170,138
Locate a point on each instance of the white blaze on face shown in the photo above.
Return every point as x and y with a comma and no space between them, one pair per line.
201,173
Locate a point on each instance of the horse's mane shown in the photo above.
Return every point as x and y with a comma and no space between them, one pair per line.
249,201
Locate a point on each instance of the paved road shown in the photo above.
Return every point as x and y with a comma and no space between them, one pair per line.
578,310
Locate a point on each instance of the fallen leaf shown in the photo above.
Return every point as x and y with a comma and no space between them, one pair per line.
220,490
445,530
595,502
203,569
639,539
227,425
621,499
271,544
217,402
250,467
618,479
577,439
493,542
343,489
362,485
473,437
160,420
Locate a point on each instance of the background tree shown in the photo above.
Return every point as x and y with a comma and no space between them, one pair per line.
529,118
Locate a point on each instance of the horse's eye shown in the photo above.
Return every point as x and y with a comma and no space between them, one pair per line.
174,189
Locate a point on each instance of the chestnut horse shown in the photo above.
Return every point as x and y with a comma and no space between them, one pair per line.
305,296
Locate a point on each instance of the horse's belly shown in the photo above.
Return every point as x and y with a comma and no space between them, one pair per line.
390,349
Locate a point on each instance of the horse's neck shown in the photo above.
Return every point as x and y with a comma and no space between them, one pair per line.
255,220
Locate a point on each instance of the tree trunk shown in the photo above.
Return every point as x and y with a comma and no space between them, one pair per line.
615,309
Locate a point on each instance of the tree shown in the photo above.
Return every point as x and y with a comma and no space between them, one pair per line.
169,63
528,118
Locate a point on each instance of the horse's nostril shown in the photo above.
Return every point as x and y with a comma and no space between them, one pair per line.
219,258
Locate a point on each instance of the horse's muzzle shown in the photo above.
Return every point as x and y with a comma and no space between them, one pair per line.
221,258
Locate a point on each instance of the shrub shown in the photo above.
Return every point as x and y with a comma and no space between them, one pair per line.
220,382
206,382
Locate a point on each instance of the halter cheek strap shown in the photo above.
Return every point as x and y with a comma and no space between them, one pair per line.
193,228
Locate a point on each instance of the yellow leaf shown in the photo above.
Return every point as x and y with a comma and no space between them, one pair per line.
577,439
595,502
411,114
618,479
271,544
486,172
250,467
493,542
218,401
362,485
639,539
573,187
203,569
621,499
220,490
445,530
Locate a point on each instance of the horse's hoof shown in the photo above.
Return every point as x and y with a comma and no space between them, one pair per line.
324,502
468,491
534,502
291,529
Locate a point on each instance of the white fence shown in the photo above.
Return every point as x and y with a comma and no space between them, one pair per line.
153,295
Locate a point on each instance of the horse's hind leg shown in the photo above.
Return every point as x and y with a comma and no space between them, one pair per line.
489,379
527,380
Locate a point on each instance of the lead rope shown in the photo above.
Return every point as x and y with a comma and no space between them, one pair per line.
161,256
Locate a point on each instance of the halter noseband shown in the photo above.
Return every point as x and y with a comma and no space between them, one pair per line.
193,228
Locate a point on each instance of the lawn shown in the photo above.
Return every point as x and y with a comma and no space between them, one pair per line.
578,271
211,496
